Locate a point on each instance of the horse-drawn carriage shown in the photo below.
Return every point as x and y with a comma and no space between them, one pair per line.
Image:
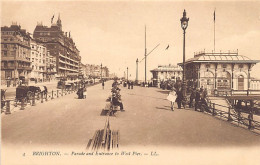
69,85
28,92
66,85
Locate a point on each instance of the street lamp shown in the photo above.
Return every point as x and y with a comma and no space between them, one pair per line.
101,72
127,73
184,24
136,70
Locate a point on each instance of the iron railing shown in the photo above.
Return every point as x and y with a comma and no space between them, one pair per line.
232,115
10,105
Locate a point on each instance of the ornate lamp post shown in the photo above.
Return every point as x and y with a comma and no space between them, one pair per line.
184,24
101,72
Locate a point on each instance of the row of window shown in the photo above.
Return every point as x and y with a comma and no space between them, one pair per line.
43,61
10,39
40,54
46,39
13,53
9,46
35,67
255,86
225,66
7,33
37,47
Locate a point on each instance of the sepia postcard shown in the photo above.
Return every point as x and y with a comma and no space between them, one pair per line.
118,82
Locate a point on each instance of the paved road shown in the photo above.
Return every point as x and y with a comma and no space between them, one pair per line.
10,91
147,121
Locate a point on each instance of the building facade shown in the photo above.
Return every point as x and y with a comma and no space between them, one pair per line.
219,72
95,71
105,72
38,61
15,54
60,45
83,70
166,72
50,67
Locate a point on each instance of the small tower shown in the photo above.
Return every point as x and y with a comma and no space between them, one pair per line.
59,22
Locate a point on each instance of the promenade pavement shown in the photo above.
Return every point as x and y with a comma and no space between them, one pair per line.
147,121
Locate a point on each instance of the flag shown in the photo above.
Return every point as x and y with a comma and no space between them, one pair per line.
167,47
52,18
214,16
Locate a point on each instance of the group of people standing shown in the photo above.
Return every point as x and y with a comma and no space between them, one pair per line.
200,96
82,92
176,95
129,84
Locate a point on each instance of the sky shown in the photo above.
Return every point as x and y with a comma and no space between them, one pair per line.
113,32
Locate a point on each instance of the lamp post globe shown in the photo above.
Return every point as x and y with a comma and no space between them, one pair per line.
184,21
184,24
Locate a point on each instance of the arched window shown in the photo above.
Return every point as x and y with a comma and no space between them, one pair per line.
240,82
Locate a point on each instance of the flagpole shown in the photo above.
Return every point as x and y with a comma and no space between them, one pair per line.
145,53
214,30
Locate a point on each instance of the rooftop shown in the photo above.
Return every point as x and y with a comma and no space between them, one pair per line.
167,68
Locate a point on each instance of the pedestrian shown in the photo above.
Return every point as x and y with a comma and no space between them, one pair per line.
192,96
128,84
103,84
114,83
197,99
132,84
80,93
204,94
20,82
179,98
172,98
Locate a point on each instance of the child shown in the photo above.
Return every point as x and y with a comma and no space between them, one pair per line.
172,97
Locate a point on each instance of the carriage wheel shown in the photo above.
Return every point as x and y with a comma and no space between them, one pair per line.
37,94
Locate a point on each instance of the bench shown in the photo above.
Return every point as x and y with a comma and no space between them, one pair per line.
111,109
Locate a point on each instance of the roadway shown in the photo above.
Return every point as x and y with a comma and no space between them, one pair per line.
147,121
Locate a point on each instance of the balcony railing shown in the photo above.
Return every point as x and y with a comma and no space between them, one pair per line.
248,92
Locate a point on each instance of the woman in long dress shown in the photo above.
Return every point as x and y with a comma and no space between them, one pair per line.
172,98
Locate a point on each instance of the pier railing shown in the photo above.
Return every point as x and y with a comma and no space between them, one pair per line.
235,116
232,92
